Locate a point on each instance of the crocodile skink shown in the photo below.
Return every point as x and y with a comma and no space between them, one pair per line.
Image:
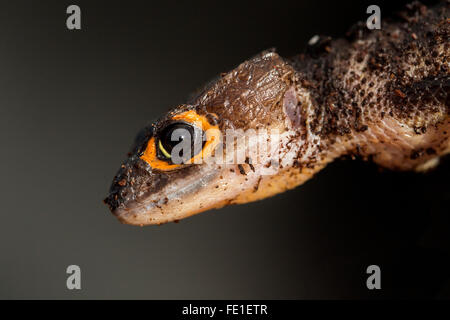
380,94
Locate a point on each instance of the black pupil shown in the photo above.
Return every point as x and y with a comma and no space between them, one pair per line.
185,132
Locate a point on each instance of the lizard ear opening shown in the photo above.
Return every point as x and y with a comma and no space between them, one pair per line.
188,139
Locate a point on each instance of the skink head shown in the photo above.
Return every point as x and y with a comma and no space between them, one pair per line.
181,164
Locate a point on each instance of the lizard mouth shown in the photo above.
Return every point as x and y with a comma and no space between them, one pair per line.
183,194
180,198
142,195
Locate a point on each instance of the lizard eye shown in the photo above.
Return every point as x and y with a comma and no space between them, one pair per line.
179,142
188,139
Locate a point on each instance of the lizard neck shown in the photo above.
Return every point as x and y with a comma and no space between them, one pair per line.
381,94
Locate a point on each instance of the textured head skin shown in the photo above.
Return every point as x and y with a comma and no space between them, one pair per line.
248,97
381,95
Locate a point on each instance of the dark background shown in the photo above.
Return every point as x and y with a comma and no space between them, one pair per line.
71,103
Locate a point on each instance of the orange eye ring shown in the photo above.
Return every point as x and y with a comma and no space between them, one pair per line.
212,140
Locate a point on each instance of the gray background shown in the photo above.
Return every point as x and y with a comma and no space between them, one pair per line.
70,106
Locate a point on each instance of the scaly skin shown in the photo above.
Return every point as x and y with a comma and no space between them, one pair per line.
381,94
